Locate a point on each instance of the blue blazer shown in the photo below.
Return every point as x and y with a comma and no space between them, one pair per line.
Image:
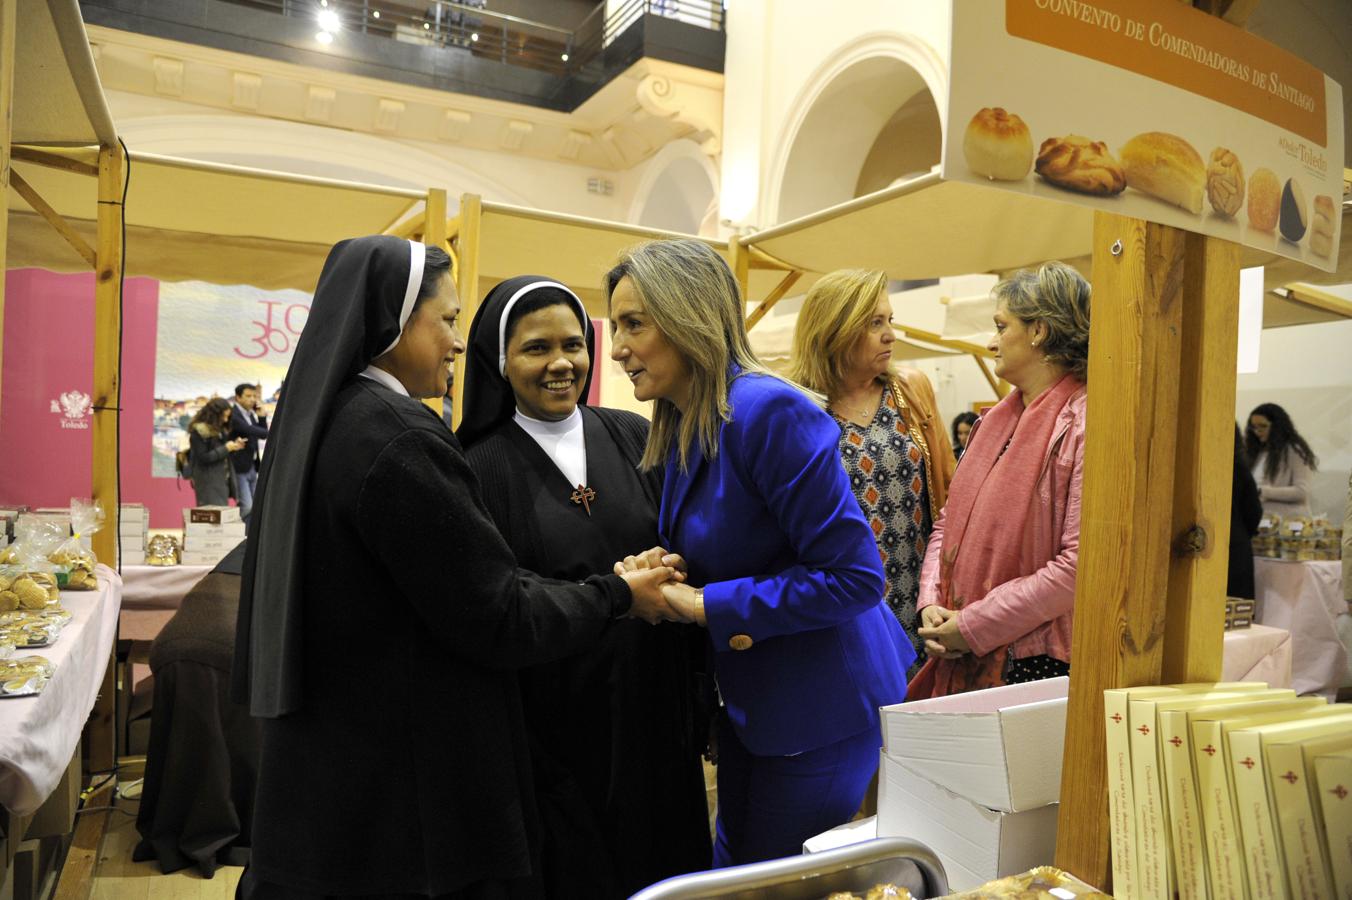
805,648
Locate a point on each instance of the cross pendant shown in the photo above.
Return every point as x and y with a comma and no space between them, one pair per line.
583,496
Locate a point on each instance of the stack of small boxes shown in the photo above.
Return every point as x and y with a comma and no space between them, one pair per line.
131,532
8,516
209,533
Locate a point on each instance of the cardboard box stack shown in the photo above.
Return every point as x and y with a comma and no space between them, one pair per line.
976,777
60,516
1214,792
131,532
209,533
8,516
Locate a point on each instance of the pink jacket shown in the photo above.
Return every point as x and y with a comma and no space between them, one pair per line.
1031,613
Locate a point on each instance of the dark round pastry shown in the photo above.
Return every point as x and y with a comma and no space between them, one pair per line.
1295,217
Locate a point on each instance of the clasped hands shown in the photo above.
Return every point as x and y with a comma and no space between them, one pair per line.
943,638
656,579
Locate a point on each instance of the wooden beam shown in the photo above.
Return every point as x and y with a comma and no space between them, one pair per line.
740,262
8,25
772,298
762,260
54,161
409,229
54,218
1126,520
930,337
998,385
1203,466
434,235
107,348
467,283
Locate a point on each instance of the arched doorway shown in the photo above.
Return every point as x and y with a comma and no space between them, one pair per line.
678,191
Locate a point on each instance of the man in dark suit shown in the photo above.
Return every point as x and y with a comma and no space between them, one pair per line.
248,424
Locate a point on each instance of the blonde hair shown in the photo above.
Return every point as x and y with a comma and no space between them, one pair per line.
693,299
834,316
1057,296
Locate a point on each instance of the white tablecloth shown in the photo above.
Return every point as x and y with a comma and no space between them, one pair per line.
1258,653
151,595
1306,599
39,734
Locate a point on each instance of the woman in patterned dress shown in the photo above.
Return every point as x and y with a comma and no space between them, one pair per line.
892,442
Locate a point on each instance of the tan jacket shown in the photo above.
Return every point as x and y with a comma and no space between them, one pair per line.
916,395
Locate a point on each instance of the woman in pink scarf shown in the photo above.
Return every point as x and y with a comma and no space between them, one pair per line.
998,584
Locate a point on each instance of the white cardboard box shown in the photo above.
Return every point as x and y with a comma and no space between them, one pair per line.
201,557
1000,748
214,515
855,832
975,844
232,532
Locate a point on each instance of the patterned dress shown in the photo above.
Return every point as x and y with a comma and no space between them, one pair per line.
887,473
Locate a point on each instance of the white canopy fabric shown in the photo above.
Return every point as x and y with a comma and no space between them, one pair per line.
58,100
189,220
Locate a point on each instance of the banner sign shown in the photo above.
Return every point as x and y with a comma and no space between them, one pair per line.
1149,109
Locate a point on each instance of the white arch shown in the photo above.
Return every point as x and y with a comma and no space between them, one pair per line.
309,150
674,161
906,49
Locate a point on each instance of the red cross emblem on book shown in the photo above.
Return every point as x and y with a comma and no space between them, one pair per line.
1209,750
1144,729
1340,792
1247,762
1291,777
583,497
1117,717
1176,741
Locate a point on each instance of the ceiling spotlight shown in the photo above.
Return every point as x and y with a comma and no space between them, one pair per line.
564,57
324,3
427,26
375,14
324,37
329,21
474,36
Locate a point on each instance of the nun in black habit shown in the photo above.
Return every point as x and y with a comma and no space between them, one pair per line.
615,735
382,616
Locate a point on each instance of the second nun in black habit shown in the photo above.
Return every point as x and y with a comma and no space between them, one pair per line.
382,616
614,733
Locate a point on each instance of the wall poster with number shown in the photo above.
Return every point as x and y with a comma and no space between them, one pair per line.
210,338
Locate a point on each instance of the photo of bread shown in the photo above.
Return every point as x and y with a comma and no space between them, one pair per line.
1225,182
1165,166
1079,164
1321,225
1265,197
998,145
1294,216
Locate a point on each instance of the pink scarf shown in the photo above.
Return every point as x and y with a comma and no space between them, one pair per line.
986,518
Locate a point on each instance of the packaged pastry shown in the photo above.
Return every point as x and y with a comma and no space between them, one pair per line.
71,555
24,676
1079,164
1265,198
1293,217
1042,883
27,590
998,145
1321,225
1225,182
1165,166
877,892
162,550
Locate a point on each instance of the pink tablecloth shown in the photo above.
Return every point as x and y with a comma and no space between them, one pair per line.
1305,598
151,595
1258,653
39,734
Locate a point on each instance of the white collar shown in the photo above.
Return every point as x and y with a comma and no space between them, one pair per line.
375,373
543,427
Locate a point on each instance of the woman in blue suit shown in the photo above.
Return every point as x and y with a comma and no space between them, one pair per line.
782,567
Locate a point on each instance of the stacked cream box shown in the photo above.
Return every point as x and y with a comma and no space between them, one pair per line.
976,777
131,532
60,516
209,533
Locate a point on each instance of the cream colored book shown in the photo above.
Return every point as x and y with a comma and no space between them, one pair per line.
1224,856
1263,860
1333,777
1290,784
1121,802
1174,746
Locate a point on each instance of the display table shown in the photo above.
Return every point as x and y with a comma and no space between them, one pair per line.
39,734
1305,598
151,595
1258,653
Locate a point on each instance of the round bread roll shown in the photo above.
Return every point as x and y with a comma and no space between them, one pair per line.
1225,182
1165,166
1321,226
1265,200
998,145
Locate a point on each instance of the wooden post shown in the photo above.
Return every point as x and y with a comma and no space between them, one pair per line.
107,351
740,263
467,283
8,25
1203,480
1127,509
434,235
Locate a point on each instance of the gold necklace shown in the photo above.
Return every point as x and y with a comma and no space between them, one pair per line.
855,412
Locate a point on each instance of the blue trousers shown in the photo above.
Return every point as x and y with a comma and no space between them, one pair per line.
768,805
246,484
